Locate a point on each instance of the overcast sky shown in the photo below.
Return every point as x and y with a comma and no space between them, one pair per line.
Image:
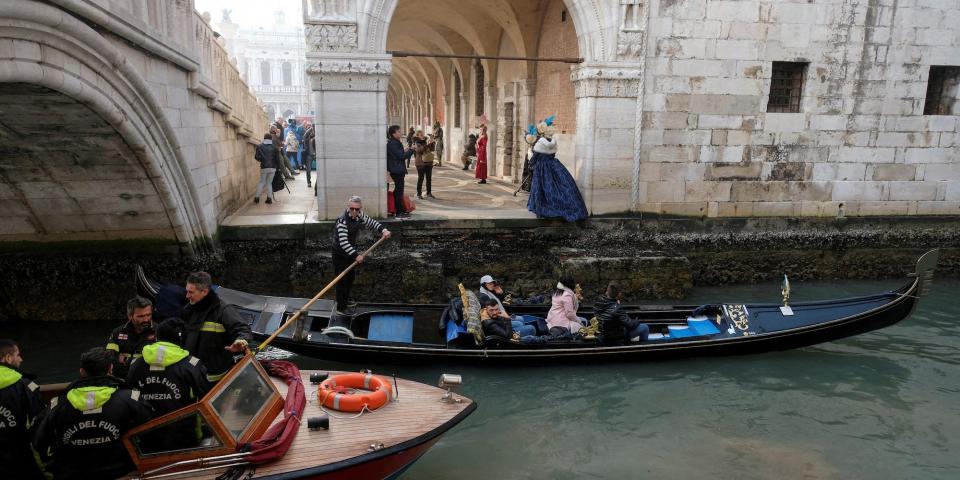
248,14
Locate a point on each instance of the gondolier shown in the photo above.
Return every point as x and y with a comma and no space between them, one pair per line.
344,252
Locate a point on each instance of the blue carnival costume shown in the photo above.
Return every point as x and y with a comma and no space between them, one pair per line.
553,191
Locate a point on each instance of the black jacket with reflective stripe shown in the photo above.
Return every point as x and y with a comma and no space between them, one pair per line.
172,387
20,404
211,325
88,444
128,344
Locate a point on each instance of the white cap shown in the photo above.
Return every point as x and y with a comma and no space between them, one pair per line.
486,279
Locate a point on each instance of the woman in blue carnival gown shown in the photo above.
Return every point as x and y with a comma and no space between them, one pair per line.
553,191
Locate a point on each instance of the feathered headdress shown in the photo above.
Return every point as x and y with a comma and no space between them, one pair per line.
544,129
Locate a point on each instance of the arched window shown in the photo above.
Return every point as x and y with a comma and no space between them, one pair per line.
264,73
478,107
287,74
457,104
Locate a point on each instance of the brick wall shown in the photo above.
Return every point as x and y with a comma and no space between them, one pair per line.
554,89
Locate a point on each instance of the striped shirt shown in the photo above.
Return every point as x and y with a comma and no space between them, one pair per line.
346,229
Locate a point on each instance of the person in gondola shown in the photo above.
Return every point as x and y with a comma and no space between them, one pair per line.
128,340
481,172
553,191
495,322
21,404
343,239
490,288
562,318
615,325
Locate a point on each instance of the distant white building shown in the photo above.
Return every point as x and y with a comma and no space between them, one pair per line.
271,59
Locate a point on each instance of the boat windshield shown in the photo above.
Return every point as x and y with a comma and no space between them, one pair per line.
235,411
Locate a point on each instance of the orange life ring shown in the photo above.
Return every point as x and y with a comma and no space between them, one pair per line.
333,392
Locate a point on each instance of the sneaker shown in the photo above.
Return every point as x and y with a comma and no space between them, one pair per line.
481,182
269,200
420,196
351,304
256,199
309,185
431,195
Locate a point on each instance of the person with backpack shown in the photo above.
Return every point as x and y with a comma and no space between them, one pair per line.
268,156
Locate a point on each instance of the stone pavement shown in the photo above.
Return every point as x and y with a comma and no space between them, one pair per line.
459,197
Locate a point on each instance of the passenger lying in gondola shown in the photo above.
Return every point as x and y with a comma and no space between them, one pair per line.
494,322
493,289
615,325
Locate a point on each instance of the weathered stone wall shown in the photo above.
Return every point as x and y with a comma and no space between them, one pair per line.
655,259
126,121
860,144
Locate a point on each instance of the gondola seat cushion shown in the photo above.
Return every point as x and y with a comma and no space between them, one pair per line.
681,331
391,327
703,326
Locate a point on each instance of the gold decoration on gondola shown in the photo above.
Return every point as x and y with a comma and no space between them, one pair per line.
738,315
590,331
785,291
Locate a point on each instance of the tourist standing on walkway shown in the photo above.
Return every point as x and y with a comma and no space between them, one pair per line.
469,151
309,149
482,155
299,131
424,162
282,163
293,150
396,156
438,140
343,248
21,404
267,155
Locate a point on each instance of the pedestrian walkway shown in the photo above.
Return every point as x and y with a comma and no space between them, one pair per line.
459,197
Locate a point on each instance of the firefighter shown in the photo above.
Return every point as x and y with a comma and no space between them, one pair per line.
80,433
128,339
20,403
213,330
167,375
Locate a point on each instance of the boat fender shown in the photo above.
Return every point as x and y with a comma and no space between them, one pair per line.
318,422
318,377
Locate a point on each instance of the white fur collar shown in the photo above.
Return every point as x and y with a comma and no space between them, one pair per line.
545,146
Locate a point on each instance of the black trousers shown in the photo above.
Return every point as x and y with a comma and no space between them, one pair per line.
340,263
425,171
398,193
308,161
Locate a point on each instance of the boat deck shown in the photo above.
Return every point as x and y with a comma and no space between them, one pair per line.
417,411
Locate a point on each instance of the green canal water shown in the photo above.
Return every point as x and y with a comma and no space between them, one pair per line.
880,405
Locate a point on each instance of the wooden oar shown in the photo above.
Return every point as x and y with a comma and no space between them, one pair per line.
316,297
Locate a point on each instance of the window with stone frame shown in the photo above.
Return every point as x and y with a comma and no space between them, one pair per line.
478,100
287,70
457,105
786,86
943,87
264,73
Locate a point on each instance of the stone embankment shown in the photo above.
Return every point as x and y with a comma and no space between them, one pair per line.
652,259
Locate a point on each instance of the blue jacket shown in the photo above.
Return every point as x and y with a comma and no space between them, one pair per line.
397,158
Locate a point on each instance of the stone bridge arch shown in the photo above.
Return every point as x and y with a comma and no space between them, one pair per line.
86,150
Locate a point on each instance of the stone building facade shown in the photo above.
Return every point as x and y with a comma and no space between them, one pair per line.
272,60
708,108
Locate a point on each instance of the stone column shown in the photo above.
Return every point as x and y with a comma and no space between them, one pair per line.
490,108
447,125
525,116
608,127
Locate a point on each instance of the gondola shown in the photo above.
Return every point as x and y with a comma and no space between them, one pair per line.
398,333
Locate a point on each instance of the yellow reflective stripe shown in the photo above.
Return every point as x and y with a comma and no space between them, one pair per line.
212,327
113,346
215,378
